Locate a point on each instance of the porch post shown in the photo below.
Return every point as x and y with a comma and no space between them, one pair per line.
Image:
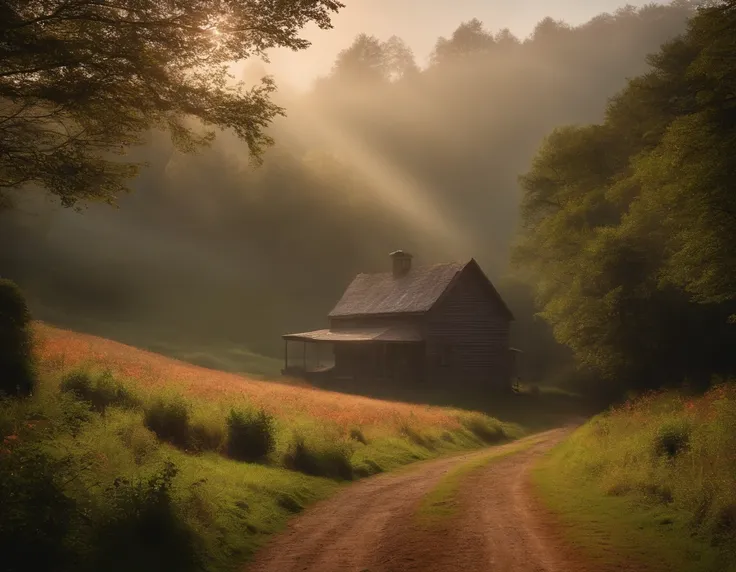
286,354
305,356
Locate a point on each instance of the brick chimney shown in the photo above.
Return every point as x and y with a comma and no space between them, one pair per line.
401,263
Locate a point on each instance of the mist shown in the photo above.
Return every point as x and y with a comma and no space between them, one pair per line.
209,256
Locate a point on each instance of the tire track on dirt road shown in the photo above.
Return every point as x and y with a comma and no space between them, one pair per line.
371,526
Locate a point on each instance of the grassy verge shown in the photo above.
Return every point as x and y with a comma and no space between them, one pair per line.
118,468
440,502
650,485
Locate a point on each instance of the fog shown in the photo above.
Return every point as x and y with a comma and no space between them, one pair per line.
413,144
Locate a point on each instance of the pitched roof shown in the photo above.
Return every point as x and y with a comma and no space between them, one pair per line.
382,293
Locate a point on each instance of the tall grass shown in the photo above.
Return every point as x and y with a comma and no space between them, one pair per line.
667,459
103,470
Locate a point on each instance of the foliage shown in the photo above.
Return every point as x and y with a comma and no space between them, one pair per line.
37,515
628,225
485,428
16,360
106,491
320,458
250,435
100,391
169,420
353,160
651,480
141,528
82,81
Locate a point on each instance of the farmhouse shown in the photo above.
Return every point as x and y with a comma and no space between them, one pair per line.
443,324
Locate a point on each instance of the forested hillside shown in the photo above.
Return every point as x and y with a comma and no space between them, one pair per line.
381,154
630,224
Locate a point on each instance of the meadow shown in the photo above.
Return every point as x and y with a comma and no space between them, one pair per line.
650,485
118,446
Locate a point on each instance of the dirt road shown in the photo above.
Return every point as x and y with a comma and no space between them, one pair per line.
372,526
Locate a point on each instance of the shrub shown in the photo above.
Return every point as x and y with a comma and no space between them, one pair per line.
141,529
169,420
250,435
17,375
100,392
141,441
483,427
37,515
324,460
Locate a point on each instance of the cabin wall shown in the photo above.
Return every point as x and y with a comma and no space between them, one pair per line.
375,322
467,337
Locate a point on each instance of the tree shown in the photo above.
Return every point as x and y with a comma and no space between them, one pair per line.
399,59
629,227
364,61
469,39
81,81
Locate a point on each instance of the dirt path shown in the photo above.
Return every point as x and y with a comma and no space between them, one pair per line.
371,526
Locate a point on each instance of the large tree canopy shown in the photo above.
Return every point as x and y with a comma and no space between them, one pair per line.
629,227
81,81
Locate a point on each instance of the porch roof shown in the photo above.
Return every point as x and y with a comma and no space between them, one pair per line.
384,334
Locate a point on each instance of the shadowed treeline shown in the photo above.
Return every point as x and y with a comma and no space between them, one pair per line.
210,252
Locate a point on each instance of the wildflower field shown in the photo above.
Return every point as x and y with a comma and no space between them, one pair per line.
151,373
116,441
650,485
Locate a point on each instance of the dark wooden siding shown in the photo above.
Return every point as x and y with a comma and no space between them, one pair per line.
467,336
375,321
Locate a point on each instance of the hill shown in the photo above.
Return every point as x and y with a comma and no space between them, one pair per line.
118,443
650,484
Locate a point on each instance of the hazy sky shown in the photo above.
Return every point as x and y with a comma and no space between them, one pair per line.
420,23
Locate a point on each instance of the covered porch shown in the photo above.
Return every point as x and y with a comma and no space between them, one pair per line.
356,355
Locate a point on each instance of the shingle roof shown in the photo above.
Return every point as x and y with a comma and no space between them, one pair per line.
382,293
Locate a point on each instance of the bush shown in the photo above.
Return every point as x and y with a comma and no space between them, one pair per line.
483,427
37,516
250,436
326,460
100,392
17,376
141,530
169,420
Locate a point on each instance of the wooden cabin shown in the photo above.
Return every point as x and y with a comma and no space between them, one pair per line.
443,324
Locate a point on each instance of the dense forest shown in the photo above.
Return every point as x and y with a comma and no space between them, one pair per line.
383,154
630,223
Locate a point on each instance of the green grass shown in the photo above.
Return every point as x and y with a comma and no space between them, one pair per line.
651,484
440,503
119,460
